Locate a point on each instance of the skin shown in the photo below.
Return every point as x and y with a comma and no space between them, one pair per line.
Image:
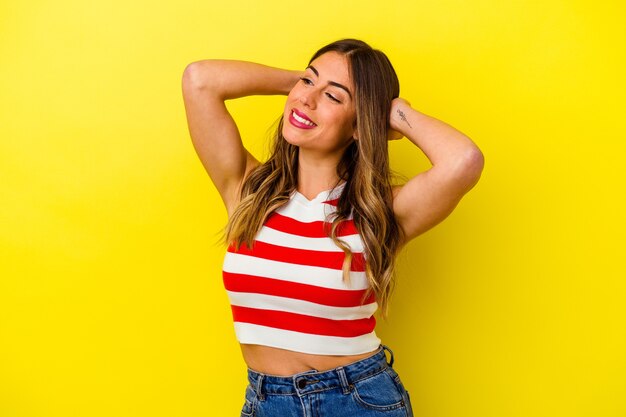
420,204
332,109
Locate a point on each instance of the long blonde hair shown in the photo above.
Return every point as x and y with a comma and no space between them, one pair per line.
367,195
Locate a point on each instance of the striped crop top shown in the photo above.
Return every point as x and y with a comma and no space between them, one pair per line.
288,290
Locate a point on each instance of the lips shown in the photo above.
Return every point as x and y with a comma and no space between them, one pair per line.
300,120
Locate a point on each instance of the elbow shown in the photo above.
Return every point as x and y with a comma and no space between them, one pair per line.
472,166
475,161
197,75
467,169
188,75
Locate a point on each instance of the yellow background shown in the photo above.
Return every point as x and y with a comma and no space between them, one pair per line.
111,299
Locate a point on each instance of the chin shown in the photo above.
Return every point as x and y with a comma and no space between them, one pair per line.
291,142
289,135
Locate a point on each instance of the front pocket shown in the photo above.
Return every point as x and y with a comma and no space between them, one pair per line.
378,392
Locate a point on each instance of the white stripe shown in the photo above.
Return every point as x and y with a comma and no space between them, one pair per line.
306,214
304,342
276,237
291,305
312,275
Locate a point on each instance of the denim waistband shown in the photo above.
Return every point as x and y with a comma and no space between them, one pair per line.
315,381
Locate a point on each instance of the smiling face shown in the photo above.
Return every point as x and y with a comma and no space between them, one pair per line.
320,110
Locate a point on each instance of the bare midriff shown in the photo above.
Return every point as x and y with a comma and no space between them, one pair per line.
281,362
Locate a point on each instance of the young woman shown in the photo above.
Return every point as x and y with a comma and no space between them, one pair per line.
313,231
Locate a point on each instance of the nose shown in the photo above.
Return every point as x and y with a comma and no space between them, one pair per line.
307,98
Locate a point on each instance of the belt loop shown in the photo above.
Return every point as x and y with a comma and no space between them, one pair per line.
344,380
259,387
390,363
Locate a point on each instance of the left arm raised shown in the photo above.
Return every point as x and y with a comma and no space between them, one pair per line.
457,163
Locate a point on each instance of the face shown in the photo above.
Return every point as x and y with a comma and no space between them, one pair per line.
320,111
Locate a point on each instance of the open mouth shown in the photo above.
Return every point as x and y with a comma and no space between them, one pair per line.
301,119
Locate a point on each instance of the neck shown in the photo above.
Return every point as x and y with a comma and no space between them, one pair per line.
316,174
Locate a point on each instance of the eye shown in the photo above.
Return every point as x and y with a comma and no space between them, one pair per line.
333,98
306,81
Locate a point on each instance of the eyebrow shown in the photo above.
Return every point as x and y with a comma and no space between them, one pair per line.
336,84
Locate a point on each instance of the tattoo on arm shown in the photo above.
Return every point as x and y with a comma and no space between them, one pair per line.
403,117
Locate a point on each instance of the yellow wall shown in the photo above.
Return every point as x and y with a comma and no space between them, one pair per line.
111,300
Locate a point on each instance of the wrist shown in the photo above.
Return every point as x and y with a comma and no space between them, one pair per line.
291,80
401,116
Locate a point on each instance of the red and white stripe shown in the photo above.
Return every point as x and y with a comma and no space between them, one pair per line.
287,291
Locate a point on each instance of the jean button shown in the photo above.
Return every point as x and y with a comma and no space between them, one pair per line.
301,383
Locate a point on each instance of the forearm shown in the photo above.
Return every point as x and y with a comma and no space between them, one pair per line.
233,79
443,144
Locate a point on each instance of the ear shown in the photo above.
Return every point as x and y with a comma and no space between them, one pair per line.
355,134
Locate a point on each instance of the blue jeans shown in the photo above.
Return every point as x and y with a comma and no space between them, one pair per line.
368,387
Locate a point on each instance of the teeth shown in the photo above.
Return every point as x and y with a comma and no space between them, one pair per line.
301,120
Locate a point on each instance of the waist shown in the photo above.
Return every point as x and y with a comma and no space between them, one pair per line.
314,380
284,362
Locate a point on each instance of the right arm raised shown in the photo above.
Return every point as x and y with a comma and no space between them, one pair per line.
206,85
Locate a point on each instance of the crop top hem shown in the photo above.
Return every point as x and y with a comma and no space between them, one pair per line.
248,333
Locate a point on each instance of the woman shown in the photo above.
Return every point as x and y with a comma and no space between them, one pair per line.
313,231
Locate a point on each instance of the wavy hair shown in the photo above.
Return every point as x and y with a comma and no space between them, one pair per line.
367,195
